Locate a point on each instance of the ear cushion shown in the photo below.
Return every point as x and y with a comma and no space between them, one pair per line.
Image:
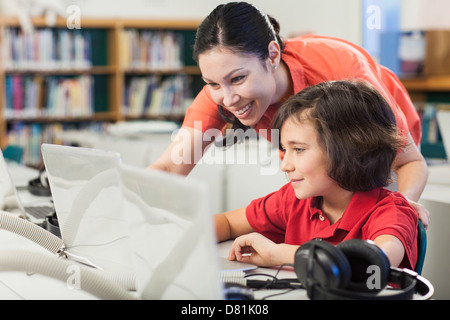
319,262
361,254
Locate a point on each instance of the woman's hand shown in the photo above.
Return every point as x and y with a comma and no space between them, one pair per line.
422,212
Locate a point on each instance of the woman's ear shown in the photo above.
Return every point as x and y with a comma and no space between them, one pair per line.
274,54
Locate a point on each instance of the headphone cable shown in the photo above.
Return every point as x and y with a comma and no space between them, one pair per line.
273,282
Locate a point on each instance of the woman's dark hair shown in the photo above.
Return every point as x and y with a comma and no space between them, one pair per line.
241,28
356,127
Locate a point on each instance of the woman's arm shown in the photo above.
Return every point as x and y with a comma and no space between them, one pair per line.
412,175
183,153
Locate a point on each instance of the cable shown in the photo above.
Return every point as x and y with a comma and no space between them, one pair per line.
91,280
30,231
274,282
55,244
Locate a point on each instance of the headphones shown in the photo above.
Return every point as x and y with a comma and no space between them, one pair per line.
354,269
39,186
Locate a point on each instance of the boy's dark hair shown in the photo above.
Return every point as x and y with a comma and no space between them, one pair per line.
356,127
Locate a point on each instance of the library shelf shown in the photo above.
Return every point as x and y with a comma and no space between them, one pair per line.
101,43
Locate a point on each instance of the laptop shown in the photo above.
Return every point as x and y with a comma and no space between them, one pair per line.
127,219
11,201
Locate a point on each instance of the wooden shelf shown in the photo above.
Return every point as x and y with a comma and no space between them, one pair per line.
432,83
99,116
109,75
426,91
64,71
190,70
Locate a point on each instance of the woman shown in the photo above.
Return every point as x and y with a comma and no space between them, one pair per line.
249,72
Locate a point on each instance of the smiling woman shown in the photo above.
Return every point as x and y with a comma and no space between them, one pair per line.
250,71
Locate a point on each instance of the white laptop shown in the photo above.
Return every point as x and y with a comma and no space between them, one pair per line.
126,219
10,200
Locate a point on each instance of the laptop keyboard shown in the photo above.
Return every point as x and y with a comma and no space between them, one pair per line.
40,212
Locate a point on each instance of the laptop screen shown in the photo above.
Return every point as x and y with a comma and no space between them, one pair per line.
124,218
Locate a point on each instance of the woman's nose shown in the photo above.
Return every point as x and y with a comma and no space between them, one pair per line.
230,98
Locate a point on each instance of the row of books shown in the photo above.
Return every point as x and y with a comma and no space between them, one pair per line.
155,95
31,136
430,129
45,49
49,96
148,49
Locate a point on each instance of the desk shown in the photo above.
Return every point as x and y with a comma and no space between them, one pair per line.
438,185
285,273
17,285
436,198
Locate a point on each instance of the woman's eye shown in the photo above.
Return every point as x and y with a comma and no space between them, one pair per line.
212,84
298,150
237,79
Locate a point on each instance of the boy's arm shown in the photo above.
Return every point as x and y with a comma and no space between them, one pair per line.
231,224
256,249
393,248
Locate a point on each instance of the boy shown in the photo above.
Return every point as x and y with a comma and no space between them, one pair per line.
339,140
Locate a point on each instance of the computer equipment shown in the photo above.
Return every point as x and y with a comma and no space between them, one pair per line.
156,225
11,201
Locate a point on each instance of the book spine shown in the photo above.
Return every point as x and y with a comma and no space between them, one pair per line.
46,49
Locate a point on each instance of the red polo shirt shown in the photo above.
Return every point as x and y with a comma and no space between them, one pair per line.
283,218
314,59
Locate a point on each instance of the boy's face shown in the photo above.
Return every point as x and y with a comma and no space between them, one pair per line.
305,161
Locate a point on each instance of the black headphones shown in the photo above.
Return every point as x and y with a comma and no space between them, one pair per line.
354,269
39,186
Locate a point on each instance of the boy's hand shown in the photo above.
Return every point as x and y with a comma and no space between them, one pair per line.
253,248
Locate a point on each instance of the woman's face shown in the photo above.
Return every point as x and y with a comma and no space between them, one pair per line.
242,84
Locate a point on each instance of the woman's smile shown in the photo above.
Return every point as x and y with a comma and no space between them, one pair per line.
244,112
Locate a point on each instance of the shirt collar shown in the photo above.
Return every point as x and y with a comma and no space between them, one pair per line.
358,207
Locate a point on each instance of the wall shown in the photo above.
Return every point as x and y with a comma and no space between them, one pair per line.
339,18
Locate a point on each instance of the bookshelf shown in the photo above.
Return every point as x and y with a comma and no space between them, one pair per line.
429,94
109,70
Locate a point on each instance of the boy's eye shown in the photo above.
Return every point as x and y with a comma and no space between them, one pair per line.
298,150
